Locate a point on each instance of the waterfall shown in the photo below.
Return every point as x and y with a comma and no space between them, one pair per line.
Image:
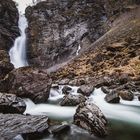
18,51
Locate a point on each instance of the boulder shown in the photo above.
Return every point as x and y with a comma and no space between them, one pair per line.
59,129
10,103
15,124
112,97
89,117
28,82
126,95
72,100
66,90
86,90
105,89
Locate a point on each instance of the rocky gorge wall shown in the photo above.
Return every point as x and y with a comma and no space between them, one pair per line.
8,32
58,28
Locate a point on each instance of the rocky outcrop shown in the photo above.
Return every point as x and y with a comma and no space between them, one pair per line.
72,100
90,117
9,103
13,125
8,24
28,82
57,30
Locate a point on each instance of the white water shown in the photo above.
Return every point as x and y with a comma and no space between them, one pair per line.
18,51
127,111
79,48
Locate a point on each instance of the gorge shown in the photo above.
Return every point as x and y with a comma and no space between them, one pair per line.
78,52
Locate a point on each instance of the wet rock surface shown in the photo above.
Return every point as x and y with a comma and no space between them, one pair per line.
13,125
8,24
59,129
89,117
86,90
126,95
57,29
72,100
112,97
9,103
28,82
66,90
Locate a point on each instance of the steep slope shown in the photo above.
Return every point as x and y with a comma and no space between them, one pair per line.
111,60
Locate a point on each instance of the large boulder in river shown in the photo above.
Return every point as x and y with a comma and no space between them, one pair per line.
91,118
58,30
112,97
8,24
9,103
15,124
28,82
126,95
72,100
85,90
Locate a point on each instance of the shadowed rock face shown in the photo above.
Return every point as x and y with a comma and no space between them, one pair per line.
8,32
28,82
89,117
13,125
9,103
57,28
8,24
5,65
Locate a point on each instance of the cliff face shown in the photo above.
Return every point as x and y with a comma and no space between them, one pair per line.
8,24
58,28
8,32
113,60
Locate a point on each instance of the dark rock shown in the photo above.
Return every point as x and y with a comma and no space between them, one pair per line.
28,82
139,97
90,117
126,95
59,129
86,90
13,125
56,29
66,90
8,24
113,97
106,90
5,65
55,86
72,100
9,103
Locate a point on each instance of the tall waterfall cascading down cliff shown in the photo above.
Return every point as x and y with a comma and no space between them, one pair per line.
18,51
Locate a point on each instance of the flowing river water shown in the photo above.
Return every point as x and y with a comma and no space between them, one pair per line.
124,118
